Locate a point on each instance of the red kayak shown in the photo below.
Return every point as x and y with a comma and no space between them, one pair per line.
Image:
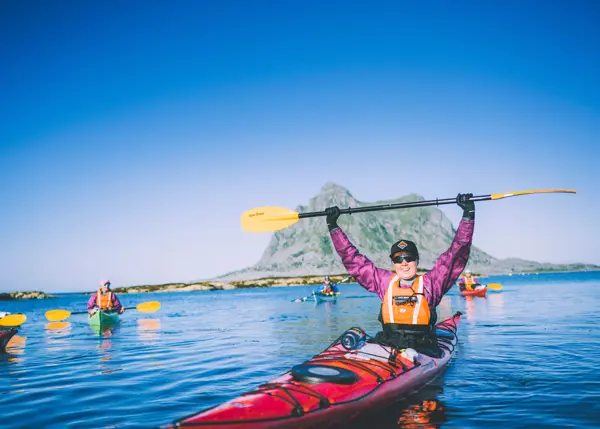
333,387
477,292
5,337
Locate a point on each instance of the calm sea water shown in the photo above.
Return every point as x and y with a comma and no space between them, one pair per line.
528,356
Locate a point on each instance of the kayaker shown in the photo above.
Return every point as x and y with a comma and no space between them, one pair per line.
468,282
408,314
327,288
104,299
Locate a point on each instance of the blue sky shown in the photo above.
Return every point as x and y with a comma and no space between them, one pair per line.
134,134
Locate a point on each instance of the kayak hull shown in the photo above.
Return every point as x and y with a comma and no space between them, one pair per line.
5,336
325,298
477,292
379,378
101,319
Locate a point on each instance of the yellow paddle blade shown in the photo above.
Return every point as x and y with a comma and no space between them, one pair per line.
495,286
13,320
268,218
148,307
57,315
540,191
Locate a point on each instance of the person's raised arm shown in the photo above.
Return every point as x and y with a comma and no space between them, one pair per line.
453,261
358,266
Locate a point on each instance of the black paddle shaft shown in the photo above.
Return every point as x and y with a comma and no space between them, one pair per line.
435,202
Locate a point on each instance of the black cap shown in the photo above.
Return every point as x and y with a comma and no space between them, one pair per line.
406,247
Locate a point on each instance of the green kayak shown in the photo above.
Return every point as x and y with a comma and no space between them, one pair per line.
101,319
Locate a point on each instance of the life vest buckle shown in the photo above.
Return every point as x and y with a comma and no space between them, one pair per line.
405,300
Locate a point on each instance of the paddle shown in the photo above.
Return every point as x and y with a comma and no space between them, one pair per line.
494,286
13,320
144,307
310,296
271,218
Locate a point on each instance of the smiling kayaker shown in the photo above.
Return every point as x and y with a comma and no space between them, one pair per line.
104,299
468,282
407,312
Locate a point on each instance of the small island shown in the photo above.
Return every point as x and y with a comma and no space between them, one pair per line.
25,295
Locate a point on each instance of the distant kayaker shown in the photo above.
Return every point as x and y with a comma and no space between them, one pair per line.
408,311
104,299
468,282
327,288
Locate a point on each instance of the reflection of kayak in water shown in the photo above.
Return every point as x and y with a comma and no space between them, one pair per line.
332,388
480,291
319,297
5,336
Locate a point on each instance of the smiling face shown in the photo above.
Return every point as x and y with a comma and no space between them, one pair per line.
405,265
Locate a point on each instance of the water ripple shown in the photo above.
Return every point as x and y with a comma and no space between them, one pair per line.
526,357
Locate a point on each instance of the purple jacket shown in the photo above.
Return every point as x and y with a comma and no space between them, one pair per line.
436,282
115,302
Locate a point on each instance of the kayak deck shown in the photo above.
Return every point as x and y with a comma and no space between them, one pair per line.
103,318
319,297
351,383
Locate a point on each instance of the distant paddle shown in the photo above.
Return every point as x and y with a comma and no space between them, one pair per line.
305,298
144,307
493,286
270,218
13,320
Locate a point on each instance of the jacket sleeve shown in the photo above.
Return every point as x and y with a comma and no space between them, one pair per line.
116,303
451,263
92,302
359,266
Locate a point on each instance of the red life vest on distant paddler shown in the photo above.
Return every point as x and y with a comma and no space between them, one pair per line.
405,305
104,302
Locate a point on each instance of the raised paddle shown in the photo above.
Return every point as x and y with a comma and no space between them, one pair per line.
305,298
13,320
271,218
144,307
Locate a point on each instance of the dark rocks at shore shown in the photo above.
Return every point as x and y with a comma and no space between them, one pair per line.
25,295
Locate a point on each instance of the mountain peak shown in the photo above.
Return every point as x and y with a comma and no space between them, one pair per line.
305,248
334,188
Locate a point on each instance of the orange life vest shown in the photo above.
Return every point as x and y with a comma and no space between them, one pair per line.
469,282
104,302
405,305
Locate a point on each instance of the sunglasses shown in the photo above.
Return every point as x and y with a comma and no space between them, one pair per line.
407,258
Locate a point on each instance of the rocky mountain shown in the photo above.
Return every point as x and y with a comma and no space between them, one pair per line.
305,248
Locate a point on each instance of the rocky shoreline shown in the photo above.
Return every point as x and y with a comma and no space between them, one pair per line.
217,285
25,295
